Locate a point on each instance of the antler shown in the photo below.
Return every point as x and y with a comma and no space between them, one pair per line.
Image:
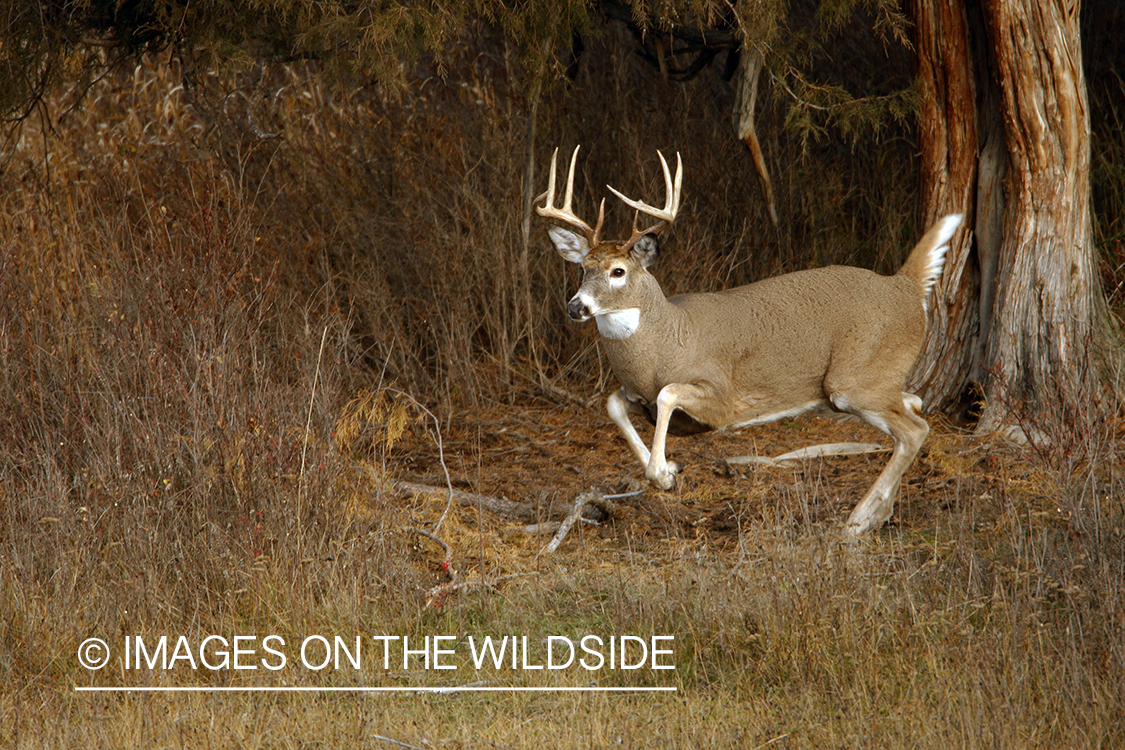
667,214
566,213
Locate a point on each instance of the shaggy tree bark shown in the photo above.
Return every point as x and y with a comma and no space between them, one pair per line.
1004,131
949,139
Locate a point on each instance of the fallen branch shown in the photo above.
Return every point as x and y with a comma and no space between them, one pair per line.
814,451
583,501
592,501
547,527
551,527
499,505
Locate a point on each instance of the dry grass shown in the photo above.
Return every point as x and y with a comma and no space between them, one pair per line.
198,329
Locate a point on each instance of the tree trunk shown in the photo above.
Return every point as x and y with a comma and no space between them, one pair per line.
1048,298
948,172
1004,131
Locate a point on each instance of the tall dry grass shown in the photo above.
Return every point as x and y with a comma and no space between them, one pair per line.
171,376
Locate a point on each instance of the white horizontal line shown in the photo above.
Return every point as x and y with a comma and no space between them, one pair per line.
287,689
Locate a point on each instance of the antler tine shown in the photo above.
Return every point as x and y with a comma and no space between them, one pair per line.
601,221
566,213
672,187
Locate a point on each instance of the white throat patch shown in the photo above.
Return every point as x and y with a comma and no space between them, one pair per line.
618,324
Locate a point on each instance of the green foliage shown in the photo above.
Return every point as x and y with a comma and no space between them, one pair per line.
826,69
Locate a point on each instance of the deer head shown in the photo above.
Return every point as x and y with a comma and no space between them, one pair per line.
614,272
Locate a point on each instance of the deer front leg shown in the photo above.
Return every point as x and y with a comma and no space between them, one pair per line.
660,471
620,407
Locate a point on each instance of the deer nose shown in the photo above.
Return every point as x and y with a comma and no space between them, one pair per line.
577,309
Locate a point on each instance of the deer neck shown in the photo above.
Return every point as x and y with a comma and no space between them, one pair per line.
638,339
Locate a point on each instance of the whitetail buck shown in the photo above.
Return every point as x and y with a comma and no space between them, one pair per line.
836,340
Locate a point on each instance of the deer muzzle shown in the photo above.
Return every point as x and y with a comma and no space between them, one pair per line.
577,309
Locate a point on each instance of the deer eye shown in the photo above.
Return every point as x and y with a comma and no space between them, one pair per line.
617,272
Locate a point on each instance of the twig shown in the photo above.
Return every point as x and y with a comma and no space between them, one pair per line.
394,742
770,742
308,426
435,597
441,454
749,75
447,561
502,506
605,503
781,82
621,495
822,108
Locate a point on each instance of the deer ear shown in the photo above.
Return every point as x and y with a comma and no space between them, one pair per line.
645,250
571,246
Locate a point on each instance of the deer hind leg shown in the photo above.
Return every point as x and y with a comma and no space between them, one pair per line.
901,418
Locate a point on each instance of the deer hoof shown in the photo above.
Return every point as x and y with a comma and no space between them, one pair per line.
664,477
868,516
